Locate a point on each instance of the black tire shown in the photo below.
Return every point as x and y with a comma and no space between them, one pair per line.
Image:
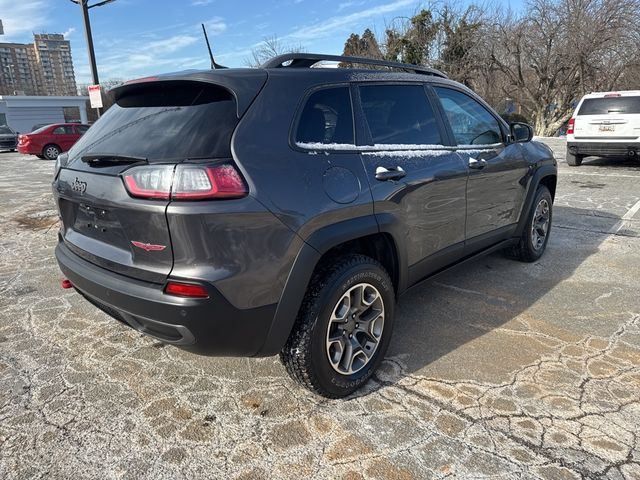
574,160
51,151
41,157
306,353
525,250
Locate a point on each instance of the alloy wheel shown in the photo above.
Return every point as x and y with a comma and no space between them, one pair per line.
355,329
540,224
51,152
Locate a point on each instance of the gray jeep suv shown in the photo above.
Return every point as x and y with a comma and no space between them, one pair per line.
284,209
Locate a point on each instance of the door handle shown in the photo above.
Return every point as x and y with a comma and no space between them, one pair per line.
477,164
383,173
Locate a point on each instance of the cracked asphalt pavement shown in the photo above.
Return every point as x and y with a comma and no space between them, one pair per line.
496,368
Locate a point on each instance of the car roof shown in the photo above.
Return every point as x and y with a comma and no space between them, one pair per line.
245,82
619,93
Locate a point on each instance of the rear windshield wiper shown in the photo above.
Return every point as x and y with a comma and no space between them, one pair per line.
111,158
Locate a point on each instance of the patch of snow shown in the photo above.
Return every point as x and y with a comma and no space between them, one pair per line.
485,146
365,148
409,153
326,146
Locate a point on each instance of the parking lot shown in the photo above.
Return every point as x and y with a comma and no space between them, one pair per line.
496,368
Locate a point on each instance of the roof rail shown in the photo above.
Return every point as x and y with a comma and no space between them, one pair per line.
307,60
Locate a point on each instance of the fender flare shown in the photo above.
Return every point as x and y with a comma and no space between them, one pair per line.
316,245
540,173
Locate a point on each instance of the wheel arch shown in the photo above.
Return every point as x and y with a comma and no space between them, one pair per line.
547,176
550,181
359,235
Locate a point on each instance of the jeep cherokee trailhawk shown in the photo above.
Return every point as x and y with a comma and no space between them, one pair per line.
283,209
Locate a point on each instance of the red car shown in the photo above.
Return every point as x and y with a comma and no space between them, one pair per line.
51,140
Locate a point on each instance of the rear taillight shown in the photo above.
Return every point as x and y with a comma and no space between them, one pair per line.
570,126
23,139
149,182
189,290
220,181
185,182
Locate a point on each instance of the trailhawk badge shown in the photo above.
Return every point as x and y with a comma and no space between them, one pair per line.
148,247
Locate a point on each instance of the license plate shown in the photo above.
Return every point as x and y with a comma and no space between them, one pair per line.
607,128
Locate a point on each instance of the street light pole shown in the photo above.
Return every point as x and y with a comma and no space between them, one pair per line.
84,7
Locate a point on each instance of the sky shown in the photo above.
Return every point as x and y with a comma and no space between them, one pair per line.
135,38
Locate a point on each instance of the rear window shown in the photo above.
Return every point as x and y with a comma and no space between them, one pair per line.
399,114
167,121
603,106
327,118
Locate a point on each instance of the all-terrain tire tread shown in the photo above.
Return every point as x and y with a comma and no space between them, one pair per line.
520,251
296,354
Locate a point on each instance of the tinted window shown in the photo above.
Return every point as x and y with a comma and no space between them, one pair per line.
173,121
4,130
399,114
603,106
471,123
62,130
327,118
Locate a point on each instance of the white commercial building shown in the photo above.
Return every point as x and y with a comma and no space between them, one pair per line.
23,112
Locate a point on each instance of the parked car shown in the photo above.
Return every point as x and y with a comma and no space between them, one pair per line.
605,124
51,140
293,222
8,138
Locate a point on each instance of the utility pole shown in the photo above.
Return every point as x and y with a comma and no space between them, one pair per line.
84,7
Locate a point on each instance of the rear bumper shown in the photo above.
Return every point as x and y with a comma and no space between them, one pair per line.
29,150
604,149
209,326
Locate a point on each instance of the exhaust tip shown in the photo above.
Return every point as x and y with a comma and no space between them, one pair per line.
66,283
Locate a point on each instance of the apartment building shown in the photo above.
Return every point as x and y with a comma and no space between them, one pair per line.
44,67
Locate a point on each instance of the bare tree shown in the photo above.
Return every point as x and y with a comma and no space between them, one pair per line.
542,60
558,51
270,47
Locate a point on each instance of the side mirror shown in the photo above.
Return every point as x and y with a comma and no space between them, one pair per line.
521,132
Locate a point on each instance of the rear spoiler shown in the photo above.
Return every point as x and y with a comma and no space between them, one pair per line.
244,84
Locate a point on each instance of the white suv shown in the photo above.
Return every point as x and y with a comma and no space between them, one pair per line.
605,124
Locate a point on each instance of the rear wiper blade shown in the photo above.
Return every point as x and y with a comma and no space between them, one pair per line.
111,158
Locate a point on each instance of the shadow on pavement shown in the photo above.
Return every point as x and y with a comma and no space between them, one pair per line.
614,163
437,317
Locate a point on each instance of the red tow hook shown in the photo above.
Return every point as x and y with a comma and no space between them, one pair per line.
66,283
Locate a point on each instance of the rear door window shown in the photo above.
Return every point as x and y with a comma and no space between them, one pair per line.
604,106
164,121
63,130
471,123
326,118
399,115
